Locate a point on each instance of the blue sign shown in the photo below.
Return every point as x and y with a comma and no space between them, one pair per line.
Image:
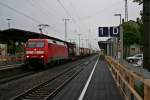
108,31
103,31
114,31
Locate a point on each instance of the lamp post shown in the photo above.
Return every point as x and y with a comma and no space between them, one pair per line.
87,40
65,20
119,16
126,10
79,35
8,19
83,42
120,54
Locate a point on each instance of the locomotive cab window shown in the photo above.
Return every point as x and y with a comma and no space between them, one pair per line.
33,44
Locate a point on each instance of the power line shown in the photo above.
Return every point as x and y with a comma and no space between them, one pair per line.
50,16
48,9
101,11
8,19
83,24
45,13
65,12
68,14
19,12
23,14
64,8
42,8
74,10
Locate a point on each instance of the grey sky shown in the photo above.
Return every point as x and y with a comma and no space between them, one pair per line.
86,15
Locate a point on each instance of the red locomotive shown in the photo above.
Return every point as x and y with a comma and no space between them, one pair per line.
44,51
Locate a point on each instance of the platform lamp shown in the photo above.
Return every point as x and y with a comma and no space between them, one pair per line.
8,19
121,39
119,16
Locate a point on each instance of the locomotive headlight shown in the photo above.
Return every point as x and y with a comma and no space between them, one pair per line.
27,56
40,52
42,56
29,52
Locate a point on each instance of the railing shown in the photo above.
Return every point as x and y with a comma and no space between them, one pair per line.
132,85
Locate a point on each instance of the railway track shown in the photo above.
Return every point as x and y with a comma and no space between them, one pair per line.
54,72
48,89
15,77
8,75
17,72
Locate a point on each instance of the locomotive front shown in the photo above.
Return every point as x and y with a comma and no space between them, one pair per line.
36,52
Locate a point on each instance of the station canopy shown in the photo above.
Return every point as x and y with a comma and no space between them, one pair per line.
103,44
22,35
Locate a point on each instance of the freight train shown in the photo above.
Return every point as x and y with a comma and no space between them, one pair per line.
42,52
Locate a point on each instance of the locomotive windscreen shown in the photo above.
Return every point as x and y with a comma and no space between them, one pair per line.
33,44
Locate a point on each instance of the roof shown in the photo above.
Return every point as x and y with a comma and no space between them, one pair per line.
103,44
17,35
23,35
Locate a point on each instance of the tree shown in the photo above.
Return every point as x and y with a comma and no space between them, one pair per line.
141,31
131,35
140,23
139,1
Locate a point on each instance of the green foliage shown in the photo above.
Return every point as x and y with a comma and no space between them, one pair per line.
19,48
140,23
131,33
139,1
140,89
11,49
141,30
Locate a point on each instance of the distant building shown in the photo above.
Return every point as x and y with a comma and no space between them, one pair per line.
3,49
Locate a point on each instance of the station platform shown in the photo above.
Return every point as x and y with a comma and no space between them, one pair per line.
101,85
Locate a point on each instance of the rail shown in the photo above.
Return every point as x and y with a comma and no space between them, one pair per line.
132,85
48,89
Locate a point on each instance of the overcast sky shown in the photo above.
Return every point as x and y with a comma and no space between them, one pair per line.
85,16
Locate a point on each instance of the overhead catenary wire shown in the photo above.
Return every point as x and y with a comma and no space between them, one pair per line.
42,8
23,14
32,3
76,12
19,12
68,14
74,9
101,11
